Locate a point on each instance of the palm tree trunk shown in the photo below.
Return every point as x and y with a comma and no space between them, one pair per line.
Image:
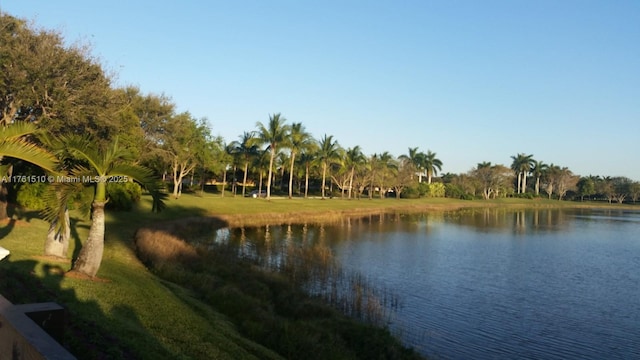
57,242
224,180
244,180
537,185
351,181
293,158
273,154
373,177
324,175
90,256
306,182
524,182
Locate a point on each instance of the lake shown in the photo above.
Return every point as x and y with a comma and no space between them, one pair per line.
482,284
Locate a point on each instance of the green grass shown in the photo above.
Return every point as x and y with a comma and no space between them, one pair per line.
133,313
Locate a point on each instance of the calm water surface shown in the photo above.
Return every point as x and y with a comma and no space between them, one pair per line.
489,284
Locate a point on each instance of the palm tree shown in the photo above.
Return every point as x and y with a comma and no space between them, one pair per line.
328,153
307,159
353,159
100,167
299,141
14,143
431,164
414,159
538,170
273,134
246,150
522,164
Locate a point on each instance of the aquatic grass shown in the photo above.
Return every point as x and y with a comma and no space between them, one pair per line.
266,304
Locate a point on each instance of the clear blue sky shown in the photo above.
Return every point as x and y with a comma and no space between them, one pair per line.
470,80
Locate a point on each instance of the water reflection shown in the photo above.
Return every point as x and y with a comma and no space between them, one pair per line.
482,283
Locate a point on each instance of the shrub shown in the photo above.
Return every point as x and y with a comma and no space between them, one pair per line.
410,192
30,195
122,196
434,190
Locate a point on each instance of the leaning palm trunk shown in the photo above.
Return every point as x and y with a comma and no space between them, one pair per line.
293,158
90,256
273,155
351,182
57,243
324,176
244,180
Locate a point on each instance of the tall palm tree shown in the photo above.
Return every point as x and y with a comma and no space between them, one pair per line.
299,141
414,159
328,153
246,149
100,166
307,159
272,134
353,159
431,164
537,170
522,164
14,143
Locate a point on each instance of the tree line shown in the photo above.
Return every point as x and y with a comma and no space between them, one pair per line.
61,114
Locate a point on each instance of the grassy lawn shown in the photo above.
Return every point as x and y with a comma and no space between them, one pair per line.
129,312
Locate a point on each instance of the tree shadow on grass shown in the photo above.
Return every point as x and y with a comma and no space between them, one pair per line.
87,332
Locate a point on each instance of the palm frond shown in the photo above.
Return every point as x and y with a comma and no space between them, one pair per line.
21,149
56,198
17,130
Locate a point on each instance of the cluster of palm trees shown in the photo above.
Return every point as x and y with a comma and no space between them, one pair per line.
350,169
554,176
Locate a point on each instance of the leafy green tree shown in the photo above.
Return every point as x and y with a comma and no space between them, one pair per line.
273,134
401,176
493,180
185,141
385,166
299,142
586,187
62,89
559,180
431,164
100,166
328,154
621,188
634,191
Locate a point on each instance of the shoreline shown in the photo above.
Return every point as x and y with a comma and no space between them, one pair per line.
333,216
